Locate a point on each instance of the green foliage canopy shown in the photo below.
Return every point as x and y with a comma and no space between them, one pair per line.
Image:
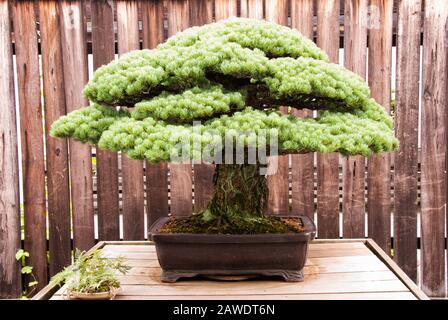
232,75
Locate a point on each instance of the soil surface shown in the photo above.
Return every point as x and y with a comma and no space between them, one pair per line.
267,224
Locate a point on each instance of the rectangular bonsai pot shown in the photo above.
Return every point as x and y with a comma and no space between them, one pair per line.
187,255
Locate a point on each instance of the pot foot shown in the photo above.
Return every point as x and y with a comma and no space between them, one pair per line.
173,276
287,275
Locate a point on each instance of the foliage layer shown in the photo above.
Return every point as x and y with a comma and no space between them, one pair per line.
232,76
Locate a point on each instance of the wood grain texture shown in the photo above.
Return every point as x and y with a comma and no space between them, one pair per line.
278,167
353,167
378,175
103,49
10,277
328,164
156,174
434,140
74,53
277,11
157,191
335,270
58,183
152,16
132,170
178,16
33,165
406,115
302,165
201,12
225,9
252,9
180,173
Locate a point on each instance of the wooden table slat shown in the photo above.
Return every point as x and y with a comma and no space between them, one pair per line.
337,269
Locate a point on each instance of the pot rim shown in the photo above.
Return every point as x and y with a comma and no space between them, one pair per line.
307,235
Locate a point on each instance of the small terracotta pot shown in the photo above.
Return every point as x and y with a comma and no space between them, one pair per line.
109,295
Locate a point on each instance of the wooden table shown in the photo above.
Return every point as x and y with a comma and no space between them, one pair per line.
335,269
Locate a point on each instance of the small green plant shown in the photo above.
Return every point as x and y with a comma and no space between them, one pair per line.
91,273
21,256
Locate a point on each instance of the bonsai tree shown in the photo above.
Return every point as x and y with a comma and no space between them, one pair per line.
232,76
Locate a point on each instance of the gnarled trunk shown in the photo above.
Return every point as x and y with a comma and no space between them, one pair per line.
240,193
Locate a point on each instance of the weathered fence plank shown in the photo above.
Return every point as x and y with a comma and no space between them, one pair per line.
103,50
434,139
132,170
252,9
156,174
302,165
10,277
278,181
225,9
74,55
406,115
58,187
201,13
277,11
328,164
378,175
353,167
180,173
33,166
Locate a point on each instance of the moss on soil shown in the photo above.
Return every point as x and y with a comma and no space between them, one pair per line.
196,224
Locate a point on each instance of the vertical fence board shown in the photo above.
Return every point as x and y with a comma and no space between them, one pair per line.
75,77
156,174
353,167
132,170
225,9
103,50
180,173
328,164
433,179
252,9
33,166
10,278
378,175
406,115
277,11
201,13
278,181
302,165
56,149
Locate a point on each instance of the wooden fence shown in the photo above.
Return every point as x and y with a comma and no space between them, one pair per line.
70,191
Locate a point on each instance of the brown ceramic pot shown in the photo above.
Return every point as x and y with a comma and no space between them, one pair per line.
187,255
